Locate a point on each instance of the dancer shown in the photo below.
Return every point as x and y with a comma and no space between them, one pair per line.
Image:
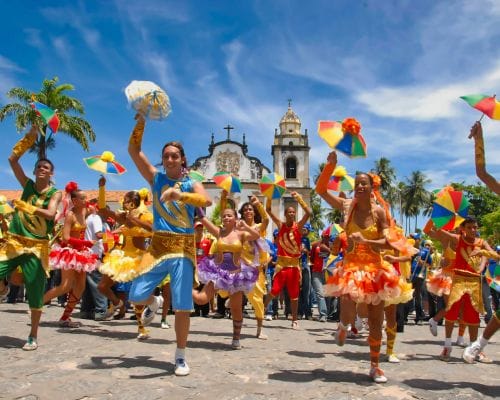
465,294
27,240
363,277
255,216
172,248
72,255
289,242
476,132
230,270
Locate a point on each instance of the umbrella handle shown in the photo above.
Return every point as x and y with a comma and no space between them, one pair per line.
479,120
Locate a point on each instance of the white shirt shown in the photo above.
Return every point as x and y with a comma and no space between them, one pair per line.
94,226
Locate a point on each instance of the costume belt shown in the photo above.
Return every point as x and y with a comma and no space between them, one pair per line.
173,244
16,245
287,262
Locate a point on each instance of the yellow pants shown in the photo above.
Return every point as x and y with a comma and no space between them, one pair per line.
256,295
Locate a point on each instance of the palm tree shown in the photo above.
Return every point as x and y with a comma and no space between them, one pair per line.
317,212
415,195
387,174
52,96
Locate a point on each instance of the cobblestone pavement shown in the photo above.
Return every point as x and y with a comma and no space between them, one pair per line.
103,360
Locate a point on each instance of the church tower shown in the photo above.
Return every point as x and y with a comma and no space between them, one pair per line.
290,153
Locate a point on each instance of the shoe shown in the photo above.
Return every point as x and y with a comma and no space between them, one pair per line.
68,323
358,324
461,341
340,335
235,344
181,367
433,327
269,317
418,322
110,312
322,319
392,358
143,335
217,315
295,325
119,316
471,353
377,375
30,344
150,311
164,324
101,316
483,358
445,354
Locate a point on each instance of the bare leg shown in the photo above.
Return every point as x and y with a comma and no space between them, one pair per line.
104,287
68,276
236,300
165,292
182,328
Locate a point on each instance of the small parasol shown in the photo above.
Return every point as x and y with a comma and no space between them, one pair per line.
272,185
449,209
488,105
343,136
5,208
196,176
105,163
228,182
148,99
340,181
48,115
333,231
492,275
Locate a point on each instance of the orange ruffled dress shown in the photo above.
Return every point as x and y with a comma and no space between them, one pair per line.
439,281
363,274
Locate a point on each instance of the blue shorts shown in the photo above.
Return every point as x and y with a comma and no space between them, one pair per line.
181,283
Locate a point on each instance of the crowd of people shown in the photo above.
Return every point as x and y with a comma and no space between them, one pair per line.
360,272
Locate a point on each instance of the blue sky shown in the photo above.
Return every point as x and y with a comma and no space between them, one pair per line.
397,66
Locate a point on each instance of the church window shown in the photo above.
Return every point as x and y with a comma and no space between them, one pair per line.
291,168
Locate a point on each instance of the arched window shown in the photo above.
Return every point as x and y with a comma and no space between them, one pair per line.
291,168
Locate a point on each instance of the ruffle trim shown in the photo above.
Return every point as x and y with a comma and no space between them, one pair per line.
122,267
69,258
439,283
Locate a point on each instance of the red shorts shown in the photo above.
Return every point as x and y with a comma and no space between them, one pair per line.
469,314
288,277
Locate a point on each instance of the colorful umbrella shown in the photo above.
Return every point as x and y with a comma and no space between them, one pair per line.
148,99
333,231
343,136
449,210
492,275
105,163
228,182
196,176
340,181
272,185
486,104
48,115
5,208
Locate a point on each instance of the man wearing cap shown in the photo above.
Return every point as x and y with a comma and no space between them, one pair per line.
319,252
421,262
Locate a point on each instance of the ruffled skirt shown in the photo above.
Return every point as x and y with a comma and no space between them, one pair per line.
227,276
122,265
70,258
366,278
439,282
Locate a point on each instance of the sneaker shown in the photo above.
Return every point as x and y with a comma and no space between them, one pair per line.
30,344
217,315
322,318
461,341
235,344
471,353
269,317
445,354
433,327
377,375
483,358
101,316
392,358
295,325
143,335
112,309
340,335
164,324
181,367
358,324
68,323
149,312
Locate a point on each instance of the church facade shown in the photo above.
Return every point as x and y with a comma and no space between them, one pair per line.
290,152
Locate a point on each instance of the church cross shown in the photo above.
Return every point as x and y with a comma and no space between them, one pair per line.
289,103
228,129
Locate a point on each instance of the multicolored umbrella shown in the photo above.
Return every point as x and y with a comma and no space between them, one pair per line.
340,181
272,185
148,99
105,163
492,275
449,210
228,182
488,105
5,208
343,136
48,115
333,231
196,176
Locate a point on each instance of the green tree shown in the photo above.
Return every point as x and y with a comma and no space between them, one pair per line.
317,216
482,200
415,195
69,110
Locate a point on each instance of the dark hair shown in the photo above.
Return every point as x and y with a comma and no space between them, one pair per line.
47,161
229,208
256,216
468,219
134,196
370,178
179,146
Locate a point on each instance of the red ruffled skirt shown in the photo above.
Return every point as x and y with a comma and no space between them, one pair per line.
70,258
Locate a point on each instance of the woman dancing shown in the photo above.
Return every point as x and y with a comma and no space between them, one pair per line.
73,255
362,277
229,270
172,249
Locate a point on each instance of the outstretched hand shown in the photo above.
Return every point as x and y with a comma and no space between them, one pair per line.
476,131
332,158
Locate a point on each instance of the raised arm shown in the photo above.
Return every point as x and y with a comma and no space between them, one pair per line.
146,169
307,210
262,212
476,132
210,226
321,185
247,231
269,212
439,234
18,150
